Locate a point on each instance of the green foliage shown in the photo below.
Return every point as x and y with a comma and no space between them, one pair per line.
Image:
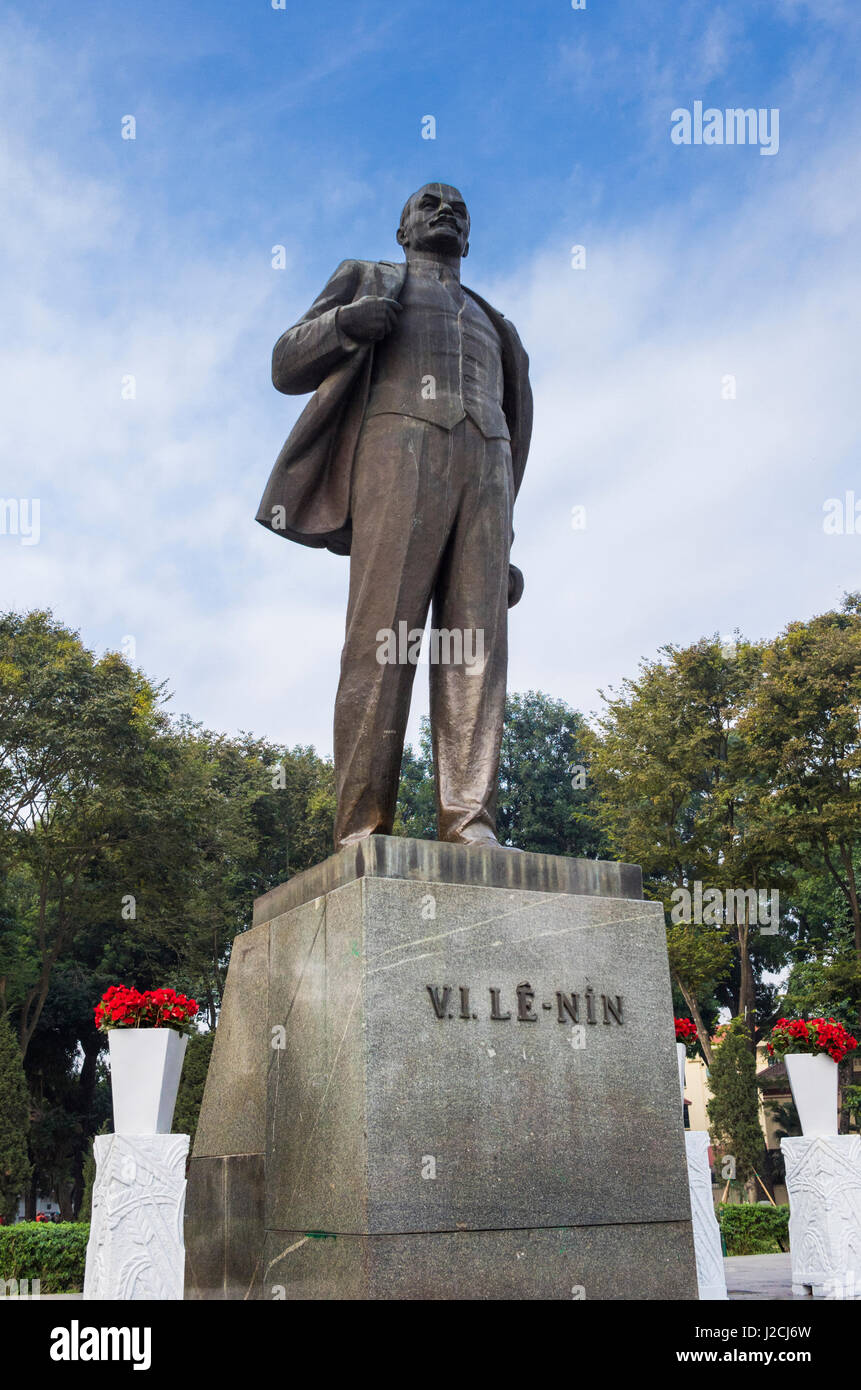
804,738
699,958
825,980
676,795
734,1107
89,1174
76,777
700,769
293,811
671,768
415,815
89,1177
540,808
53,1254
754,1229
852,1103
15,1166
132,847
192,1082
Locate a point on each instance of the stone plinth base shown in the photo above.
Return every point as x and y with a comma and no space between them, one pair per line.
823,1180
444,1073
711,1280
585,1262
135,1249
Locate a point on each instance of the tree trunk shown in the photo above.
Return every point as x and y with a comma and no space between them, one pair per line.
86,1091
746,992
844,1079
702,1031
30,1198
846,856
766,1174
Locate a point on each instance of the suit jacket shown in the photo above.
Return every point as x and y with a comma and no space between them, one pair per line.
312,474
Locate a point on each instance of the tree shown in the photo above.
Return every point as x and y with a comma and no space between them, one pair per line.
192,1083
677,795
415,815
825,981
546,804
132,846
804,735
85,1211
734,1107
547,799
14,1123
699,958
293,812
69,1092
75,738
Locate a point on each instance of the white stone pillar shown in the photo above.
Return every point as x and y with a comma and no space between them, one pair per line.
823,1179
136,1248
711,1280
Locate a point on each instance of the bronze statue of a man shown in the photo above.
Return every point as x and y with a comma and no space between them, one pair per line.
408,458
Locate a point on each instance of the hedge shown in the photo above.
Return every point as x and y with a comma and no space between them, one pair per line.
754,1230
52,1253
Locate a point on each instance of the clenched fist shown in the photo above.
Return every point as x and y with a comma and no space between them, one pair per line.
370,318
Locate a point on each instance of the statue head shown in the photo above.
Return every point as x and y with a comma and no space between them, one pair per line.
435,219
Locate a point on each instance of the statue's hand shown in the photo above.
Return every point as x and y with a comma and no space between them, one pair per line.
515,585
369,318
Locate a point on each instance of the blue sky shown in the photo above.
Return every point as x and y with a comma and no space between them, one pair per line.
302,127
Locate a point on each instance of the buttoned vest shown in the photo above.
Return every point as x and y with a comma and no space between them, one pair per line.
441,362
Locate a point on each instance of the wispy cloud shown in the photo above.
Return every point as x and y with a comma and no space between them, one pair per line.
702,513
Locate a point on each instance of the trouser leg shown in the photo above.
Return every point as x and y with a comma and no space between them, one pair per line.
467,702
400,523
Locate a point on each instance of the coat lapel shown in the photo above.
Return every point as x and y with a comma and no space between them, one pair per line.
307,498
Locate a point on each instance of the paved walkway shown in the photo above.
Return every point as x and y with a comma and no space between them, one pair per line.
759,1277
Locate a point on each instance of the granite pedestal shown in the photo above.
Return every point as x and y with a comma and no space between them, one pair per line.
442,1072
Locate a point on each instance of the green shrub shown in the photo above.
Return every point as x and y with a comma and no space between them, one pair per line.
53,1254
191,1085
754,1230
15,1166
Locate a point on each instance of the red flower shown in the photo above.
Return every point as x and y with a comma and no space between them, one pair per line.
814,1035
121,1007
686,1031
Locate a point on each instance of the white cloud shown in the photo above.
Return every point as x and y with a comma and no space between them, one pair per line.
703,514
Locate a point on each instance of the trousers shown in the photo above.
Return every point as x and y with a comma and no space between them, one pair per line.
432,525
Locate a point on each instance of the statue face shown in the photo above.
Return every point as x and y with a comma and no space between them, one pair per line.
436,220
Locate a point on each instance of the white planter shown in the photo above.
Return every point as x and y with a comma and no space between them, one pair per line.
146,1064
682,1052
813,1078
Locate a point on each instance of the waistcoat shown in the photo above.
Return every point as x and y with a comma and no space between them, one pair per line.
441,362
